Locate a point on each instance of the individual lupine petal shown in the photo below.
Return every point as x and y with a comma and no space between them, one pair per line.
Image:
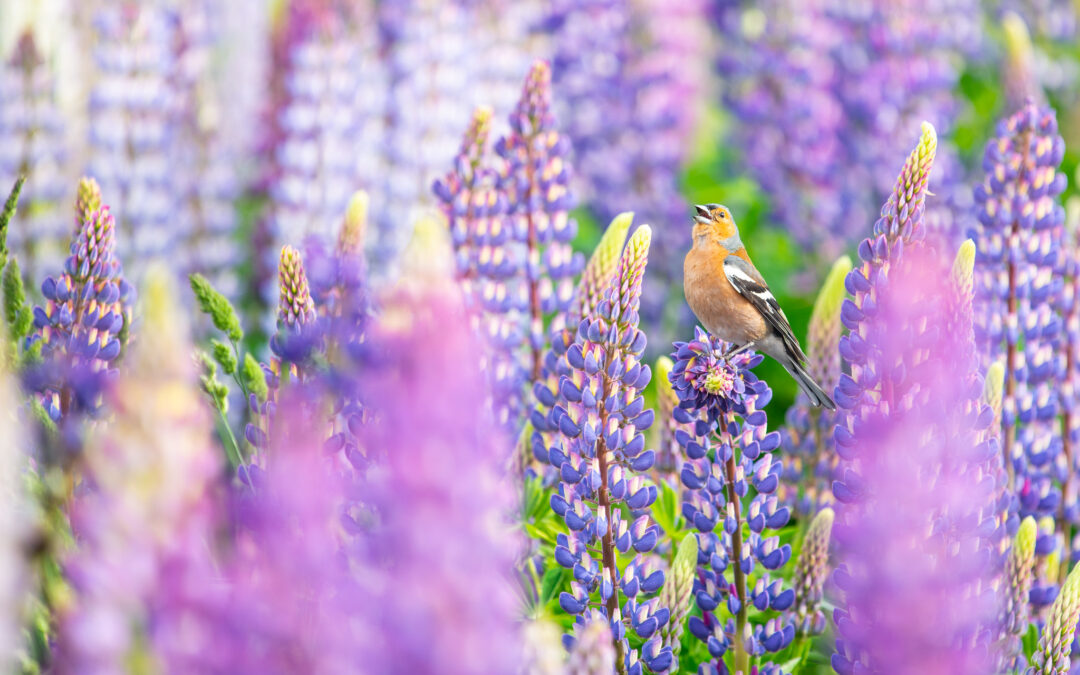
811,570
1053,653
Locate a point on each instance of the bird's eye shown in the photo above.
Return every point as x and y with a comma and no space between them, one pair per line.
721,215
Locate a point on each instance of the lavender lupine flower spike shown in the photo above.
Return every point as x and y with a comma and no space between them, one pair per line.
601,457
807,436
597,276
1018,294
728,449
296,309
88,306
1053,654
1019,574
536,180
811,570
476,213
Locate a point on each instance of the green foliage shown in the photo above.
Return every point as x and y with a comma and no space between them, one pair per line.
224,355
17,313
217,307
6,215
253,378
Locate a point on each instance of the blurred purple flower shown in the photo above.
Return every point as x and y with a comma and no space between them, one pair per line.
33,129
824,95
916,580
132,125
144,583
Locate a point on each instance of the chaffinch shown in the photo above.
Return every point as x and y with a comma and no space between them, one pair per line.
731,299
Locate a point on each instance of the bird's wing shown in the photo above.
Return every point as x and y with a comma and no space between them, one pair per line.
748,282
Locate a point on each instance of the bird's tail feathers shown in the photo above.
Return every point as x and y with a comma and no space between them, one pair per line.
807,384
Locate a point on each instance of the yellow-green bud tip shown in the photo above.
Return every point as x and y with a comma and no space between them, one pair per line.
428,254
1024,544
831,296
963,269
1017,37
992,387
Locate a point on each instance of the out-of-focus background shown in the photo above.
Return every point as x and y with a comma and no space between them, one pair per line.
221,130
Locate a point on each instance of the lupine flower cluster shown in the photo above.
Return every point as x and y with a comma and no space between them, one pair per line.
729,451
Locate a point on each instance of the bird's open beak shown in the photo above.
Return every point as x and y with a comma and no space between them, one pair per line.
703,216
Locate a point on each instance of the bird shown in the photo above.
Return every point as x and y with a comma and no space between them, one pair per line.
732,301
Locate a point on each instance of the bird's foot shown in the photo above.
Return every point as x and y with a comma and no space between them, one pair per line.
732,353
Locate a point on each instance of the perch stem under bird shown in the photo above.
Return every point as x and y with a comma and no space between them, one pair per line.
731,299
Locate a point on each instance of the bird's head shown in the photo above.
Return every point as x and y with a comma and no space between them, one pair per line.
713,222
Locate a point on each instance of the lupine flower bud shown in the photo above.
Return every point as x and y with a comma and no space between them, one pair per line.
728,449
677,593
7,214
811,570
807,437
599,450
1055,645
295,306
1019,574
1019,76
217,307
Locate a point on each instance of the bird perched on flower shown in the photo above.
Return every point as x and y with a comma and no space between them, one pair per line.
731,299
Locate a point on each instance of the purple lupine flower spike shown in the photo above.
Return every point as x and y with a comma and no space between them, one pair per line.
728,449
486,267
536,181
1053,655
296,309
944,537
81,328
599,452
132,125
33,127
1019,298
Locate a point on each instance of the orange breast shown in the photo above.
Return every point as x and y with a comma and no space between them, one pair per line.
718,306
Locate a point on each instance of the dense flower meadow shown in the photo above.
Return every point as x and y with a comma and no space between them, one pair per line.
349,336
